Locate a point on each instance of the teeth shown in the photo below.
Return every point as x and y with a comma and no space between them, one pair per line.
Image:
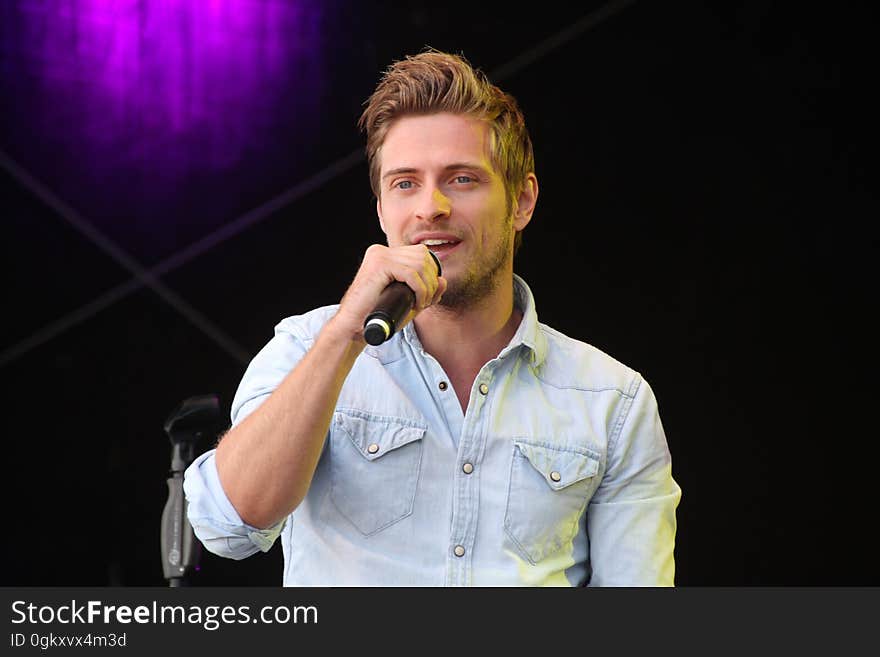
435,242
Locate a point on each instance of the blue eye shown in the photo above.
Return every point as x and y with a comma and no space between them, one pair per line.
463,179
404,184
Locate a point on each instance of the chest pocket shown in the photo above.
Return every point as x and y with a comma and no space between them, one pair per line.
549,490
374,466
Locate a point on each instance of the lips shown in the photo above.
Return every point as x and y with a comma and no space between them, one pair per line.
442,251
440,244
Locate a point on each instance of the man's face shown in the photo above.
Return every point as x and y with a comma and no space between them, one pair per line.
438,188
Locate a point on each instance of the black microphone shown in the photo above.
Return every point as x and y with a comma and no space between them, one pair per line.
393,305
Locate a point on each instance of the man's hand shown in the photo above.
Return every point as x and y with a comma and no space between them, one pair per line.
412,265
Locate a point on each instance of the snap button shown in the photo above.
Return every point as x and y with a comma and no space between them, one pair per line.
443,385
484,388
372,449
555,476
467,468
459,551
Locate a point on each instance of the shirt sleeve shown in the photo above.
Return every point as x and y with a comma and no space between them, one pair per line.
631,520
214,519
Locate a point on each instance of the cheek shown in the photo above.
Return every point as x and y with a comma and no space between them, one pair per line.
494,228
394,233
388,218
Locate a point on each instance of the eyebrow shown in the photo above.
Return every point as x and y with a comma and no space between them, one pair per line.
448,167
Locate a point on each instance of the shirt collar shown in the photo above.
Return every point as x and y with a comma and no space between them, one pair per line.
528,334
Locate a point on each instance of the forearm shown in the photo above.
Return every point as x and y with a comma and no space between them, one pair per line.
265,464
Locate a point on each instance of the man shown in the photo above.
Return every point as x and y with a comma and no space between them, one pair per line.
475,446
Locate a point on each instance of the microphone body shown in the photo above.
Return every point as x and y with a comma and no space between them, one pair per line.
395,302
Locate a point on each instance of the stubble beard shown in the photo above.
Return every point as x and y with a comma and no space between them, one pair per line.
481,278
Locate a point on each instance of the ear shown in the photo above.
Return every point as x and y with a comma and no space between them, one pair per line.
525,203
379,213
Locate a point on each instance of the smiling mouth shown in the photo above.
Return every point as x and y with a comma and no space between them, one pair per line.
440,248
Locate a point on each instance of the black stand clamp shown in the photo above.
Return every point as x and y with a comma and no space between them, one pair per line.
194,418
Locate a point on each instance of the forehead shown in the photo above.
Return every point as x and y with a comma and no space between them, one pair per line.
434,140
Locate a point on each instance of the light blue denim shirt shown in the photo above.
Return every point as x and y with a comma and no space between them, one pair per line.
558,474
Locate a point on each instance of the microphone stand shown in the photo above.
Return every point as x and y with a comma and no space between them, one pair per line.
181,551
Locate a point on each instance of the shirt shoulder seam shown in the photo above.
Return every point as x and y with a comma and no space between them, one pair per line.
624,412
626,393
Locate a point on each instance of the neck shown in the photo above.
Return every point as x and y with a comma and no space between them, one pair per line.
467,338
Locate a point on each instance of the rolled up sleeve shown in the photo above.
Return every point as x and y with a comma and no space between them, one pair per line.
631,519
213,518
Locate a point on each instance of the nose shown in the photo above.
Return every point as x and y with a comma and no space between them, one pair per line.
433,205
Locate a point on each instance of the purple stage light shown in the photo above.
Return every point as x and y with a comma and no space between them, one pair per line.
179,83
135,110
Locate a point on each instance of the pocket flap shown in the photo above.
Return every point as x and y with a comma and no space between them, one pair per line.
560,466
376,435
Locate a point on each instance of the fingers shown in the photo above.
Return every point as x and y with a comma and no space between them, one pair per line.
412,265
421,275
441,288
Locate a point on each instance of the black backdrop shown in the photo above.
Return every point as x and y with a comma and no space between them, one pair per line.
705,216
